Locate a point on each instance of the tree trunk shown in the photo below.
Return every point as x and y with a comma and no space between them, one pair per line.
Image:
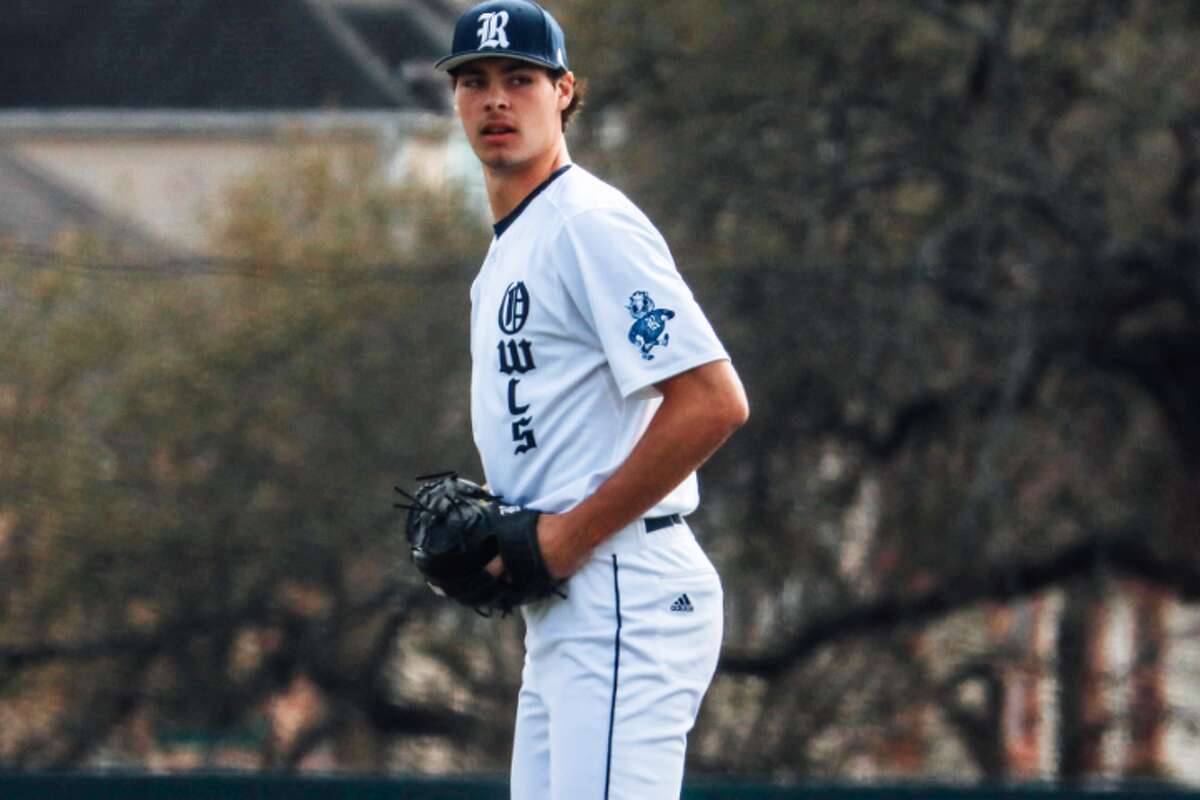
1081,667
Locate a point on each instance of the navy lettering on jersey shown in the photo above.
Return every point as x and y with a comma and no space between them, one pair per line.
523,435
514,308
513,408
516,358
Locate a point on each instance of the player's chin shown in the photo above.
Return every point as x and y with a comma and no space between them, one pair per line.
495,160
500,161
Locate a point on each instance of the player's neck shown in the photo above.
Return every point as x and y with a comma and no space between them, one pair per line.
506,188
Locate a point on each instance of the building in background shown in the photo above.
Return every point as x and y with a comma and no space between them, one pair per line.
131,118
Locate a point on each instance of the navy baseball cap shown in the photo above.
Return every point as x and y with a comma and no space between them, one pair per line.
519,29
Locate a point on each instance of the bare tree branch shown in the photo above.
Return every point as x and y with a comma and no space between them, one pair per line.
1000,582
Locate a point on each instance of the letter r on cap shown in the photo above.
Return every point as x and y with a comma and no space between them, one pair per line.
491,29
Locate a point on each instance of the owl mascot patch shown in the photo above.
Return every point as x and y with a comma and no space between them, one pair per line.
650,324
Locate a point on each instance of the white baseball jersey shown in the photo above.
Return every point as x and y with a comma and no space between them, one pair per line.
577,311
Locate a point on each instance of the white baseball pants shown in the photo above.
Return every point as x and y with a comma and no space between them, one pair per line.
614,674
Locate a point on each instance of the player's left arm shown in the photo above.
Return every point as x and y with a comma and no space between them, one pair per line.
700,409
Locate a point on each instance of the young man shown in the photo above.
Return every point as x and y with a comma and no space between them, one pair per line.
598,388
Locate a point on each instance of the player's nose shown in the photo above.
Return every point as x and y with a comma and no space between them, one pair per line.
496,98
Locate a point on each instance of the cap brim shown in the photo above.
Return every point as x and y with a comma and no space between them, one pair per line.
450,62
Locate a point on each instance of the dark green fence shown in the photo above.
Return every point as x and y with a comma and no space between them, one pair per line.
278,787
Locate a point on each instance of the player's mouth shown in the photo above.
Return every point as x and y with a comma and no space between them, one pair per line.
497,132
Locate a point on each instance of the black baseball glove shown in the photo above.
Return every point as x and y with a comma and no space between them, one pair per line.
455,528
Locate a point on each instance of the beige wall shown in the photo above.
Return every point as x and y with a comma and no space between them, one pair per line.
165,187
169,184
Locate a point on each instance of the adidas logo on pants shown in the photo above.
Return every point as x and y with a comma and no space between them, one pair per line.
683,604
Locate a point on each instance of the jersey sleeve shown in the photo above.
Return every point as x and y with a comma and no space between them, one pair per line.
618,271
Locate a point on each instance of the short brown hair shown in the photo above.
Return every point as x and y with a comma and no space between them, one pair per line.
577,100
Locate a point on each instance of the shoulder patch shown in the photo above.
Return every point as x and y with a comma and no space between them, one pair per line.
650,324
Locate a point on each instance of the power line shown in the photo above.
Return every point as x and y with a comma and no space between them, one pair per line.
184,267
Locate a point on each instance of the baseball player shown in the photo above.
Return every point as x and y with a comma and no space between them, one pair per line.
598,388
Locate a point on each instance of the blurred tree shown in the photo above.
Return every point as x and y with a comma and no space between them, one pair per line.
195,497
952,247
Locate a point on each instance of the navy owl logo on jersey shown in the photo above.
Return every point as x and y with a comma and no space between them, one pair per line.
650,328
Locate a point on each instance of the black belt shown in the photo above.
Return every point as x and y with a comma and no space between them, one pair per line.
658,523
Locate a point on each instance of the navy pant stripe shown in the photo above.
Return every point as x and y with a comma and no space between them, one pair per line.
612,708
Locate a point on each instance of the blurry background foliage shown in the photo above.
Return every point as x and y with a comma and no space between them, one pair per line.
198,461
952,247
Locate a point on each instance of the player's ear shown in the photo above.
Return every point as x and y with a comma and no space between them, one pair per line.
565,86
